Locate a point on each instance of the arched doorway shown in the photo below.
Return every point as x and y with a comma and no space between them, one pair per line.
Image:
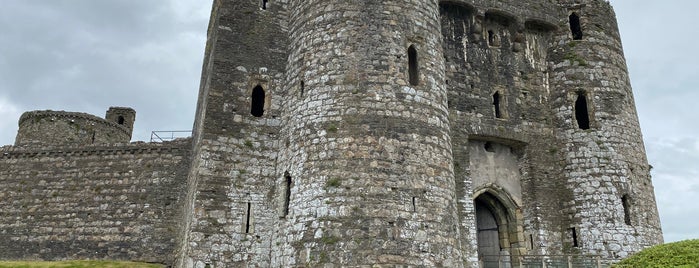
497,230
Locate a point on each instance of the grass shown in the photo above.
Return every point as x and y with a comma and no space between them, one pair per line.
683,254
76,264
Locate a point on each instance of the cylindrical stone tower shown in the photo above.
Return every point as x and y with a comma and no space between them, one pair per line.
613,208
369,177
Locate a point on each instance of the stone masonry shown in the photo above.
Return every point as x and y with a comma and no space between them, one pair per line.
357,133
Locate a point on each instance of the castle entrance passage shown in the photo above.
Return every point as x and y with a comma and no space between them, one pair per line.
492,225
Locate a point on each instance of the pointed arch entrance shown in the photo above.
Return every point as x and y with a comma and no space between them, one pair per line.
499,233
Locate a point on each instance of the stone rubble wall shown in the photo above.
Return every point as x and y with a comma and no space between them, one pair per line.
60,128
114,202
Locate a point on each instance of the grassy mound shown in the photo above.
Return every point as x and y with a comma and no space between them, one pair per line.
684,254
76,264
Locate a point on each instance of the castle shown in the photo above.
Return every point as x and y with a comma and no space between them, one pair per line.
347,133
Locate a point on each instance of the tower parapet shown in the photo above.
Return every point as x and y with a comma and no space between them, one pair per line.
58,128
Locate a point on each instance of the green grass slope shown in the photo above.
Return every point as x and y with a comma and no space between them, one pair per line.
76,264
683,254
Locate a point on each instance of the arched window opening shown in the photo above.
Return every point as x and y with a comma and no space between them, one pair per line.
413,71
287,194
264,4
491,38
496,105
258,101
120,120
575,27
581,112
626,204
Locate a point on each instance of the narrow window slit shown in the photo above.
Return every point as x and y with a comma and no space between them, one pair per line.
414,207
287,194
574,235
247,218
257,108
496,104
303,88
531,241
264,4
582,115
626,205
413,71
575,27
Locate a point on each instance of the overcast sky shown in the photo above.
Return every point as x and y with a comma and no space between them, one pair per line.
88,55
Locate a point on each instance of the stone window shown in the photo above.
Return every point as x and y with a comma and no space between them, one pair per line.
575,27
264,4
257,107
574,236
303,88
491,38
626,204
497,105
120,120
248,223
582,115
413,72
287,194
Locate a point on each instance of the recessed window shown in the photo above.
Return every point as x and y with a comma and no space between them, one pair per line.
264,4
257,108
247,218
496,105
574,236
491,38
413,71
287,194
120,120
303,88
626,204
582,115
575,27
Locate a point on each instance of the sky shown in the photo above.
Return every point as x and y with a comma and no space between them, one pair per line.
87,55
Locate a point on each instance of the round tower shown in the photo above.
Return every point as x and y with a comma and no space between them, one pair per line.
369,177
613,208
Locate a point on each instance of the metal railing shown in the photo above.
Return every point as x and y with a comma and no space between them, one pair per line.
543,261
169,135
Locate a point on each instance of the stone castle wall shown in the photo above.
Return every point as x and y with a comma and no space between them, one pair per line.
349,133
55,128
116,202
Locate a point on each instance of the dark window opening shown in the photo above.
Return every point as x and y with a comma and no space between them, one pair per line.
258,101
287,194
489,147
496,105
491,38
264,4
303,88
120,120
531,241
575,28
413,72
626,205
93,137
247,219
414,207
581,113
574,235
